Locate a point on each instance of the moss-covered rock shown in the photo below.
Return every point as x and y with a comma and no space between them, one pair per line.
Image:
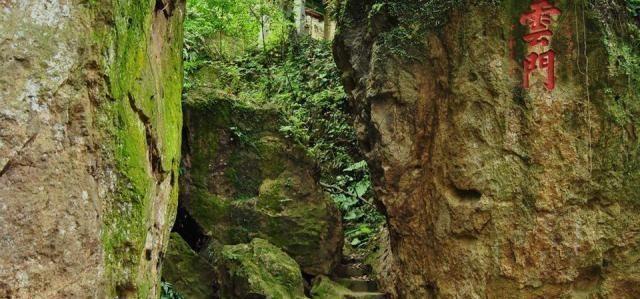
190,274
243,179
258,270
324,288
90,145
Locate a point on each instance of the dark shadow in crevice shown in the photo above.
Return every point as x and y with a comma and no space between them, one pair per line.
468,194
166,6
308,282
155,158
190,230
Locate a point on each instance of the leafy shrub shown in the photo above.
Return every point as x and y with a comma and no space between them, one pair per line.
301,80
297,75
634,7
168,291
215,29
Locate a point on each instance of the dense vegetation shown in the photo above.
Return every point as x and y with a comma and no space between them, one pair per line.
217,29
409,19
304,84
295,74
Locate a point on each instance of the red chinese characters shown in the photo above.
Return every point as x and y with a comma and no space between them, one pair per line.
539,20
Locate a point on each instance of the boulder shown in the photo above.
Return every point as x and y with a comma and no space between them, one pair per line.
243,179
190,274
258,270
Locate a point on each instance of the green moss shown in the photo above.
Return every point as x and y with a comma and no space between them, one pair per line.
189,273
144,107
215,121
208,210
244,172
325,288
259,268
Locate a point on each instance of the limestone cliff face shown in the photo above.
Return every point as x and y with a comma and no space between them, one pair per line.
492,190
90,125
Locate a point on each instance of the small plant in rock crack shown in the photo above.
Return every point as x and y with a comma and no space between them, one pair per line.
169,292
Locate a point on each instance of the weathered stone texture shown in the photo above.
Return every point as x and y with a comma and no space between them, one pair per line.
491,190
90,124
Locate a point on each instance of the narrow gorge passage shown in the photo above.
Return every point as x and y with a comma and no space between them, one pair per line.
270,166
324,149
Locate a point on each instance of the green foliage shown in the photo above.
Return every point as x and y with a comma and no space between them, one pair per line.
634,7
296,75
169,292
411,19
307,86
302,81
350,191
215,29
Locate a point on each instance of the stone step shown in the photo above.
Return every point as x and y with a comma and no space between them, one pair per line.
366,295
359,284
353,270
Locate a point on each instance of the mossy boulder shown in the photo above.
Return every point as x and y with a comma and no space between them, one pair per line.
243,179
190,274
258,270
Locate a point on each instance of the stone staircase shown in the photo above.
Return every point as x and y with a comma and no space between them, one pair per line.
357,276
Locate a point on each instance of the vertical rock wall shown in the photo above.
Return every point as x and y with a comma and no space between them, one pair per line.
492,190
90,125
